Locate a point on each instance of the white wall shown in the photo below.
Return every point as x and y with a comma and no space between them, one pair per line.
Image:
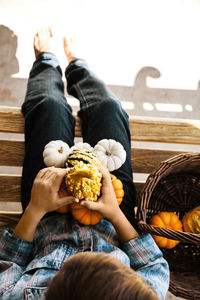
119,37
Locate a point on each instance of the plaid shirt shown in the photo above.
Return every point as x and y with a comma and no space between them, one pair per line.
26,268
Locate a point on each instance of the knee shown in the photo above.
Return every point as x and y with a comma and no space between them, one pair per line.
50,103
111,105
46,104
52,106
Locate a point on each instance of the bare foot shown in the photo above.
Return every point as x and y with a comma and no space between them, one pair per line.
71,49
43,41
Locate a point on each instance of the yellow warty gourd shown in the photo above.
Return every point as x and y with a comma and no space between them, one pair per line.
191,221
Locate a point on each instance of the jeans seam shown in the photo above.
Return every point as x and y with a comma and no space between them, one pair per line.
85,102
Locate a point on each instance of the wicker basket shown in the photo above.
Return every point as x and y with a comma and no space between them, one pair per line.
175,187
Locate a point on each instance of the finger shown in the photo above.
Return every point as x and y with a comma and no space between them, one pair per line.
42,172
105,173
106,180
51,175
58,176
67,200
48,173
90,204
103,169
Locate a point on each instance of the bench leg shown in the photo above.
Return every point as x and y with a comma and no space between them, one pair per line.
102,117
47,117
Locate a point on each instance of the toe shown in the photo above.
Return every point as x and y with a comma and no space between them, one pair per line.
65,41
50,31
35,39
46,31
40,33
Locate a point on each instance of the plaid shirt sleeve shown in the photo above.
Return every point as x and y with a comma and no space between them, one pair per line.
14,255
14,249
147,260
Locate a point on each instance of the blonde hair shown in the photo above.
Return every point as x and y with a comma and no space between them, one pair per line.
98,276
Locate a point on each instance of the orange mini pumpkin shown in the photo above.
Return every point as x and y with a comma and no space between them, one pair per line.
166,220
118,188
63,193
86,216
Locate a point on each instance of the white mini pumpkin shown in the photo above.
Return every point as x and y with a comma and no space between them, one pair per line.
111,153
55,153
81,146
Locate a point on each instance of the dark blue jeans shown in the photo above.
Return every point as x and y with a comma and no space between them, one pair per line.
48,117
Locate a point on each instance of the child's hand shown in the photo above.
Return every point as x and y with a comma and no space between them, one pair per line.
107,204
44,194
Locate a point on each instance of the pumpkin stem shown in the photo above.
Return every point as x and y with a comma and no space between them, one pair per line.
60,150
108,153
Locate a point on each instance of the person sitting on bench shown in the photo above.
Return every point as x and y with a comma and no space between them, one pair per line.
50,255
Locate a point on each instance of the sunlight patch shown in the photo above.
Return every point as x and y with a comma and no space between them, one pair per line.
148,106
169,107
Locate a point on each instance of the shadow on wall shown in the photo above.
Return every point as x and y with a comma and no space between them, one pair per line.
8,66
139,99
158,102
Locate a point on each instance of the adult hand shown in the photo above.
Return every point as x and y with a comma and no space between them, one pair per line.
107,204
44,194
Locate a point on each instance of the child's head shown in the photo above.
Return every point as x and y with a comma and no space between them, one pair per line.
97,276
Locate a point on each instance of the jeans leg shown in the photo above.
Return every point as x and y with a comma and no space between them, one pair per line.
103,117
47,117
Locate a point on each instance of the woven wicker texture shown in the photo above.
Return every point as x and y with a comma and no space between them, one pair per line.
175,187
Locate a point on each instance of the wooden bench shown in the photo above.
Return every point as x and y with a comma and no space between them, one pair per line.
153,140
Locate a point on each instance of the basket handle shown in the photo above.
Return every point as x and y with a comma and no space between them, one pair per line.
170,234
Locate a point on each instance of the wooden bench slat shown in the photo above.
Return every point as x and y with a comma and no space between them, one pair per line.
10,190
11,152
11,119
9,219
165,130
142,128
143,160
147,160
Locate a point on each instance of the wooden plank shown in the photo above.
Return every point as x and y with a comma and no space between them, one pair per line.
10,219
11,152
142,128
78,130
12,120
143,160
139,185
165,130
10,190
148,160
